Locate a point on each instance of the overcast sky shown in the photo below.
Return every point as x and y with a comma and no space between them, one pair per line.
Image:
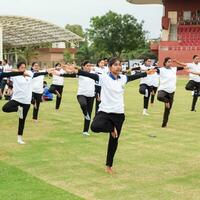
63,12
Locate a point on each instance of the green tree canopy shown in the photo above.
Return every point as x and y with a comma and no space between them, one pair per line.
115,33
75,28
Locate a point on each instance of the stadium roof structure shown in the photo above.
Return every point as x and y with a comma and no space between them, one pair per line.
146,1
19,31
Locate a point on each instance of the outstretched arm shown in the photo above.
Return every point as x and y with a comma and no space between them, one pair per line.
95,77
68,75
9,74
39,74
140,75
136,76
180,63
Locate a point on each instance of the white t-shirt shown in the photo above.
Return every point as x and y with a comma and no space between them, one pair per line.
112,93
22,90
101,71
168,79
155,80
6,68
37,84
149,79
58,80
195,68
86,86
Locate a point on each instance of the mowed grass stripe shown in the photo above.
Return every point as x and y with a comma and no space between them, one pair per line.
164,167
18,185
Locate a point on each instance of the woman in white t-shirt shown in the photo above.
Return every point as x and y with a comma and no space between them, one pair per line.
194,82
99,69
37,89
154,85
167,87
21,99
57,84
146,84
110,116
85,96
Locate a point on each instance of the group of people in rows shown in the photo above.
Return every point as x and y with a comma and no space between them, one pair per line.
105,84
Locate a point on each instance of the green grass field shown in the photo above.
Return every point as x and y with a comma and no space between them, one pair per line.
58,163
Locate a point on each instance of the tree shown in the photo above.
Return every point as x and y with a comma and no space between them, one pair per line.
75,28
114,33
27,53
67,56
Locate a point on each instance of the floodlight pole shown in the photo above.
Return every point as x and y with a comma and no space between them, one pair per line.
1,42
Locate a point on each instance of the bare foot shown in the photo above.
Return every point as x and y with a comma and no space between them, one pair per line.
109,170
114,133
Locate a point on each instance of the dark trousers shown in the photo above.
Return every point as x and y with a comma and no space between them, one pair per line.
153,93
97,96
105,122
193,86
166,97
142,90
12,106
36,100
54,89
86,104
3,85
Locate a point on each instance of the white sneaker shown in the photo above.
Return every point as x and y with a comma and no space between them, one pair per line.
145,112
20,112
87,117
86,133
19,140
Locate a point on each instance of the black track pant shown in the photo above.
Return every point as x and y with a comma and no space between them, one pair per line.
3,85
97,95
153,93
143,90
59,89
166,98
105,122
36,100
86,104
193,86
12,106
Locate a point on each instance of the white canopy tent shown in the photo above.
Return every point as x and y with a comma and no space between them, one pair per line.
18,31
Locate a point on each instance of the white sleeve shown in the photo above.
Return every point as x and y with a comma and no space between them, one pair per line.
143,68
189,65
123,79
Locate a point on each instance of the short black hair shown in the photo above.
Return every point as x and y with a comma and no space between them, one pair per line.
113,60
34,63
85,63
56,65
20,63
5,60
98,61
195,56
166,60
